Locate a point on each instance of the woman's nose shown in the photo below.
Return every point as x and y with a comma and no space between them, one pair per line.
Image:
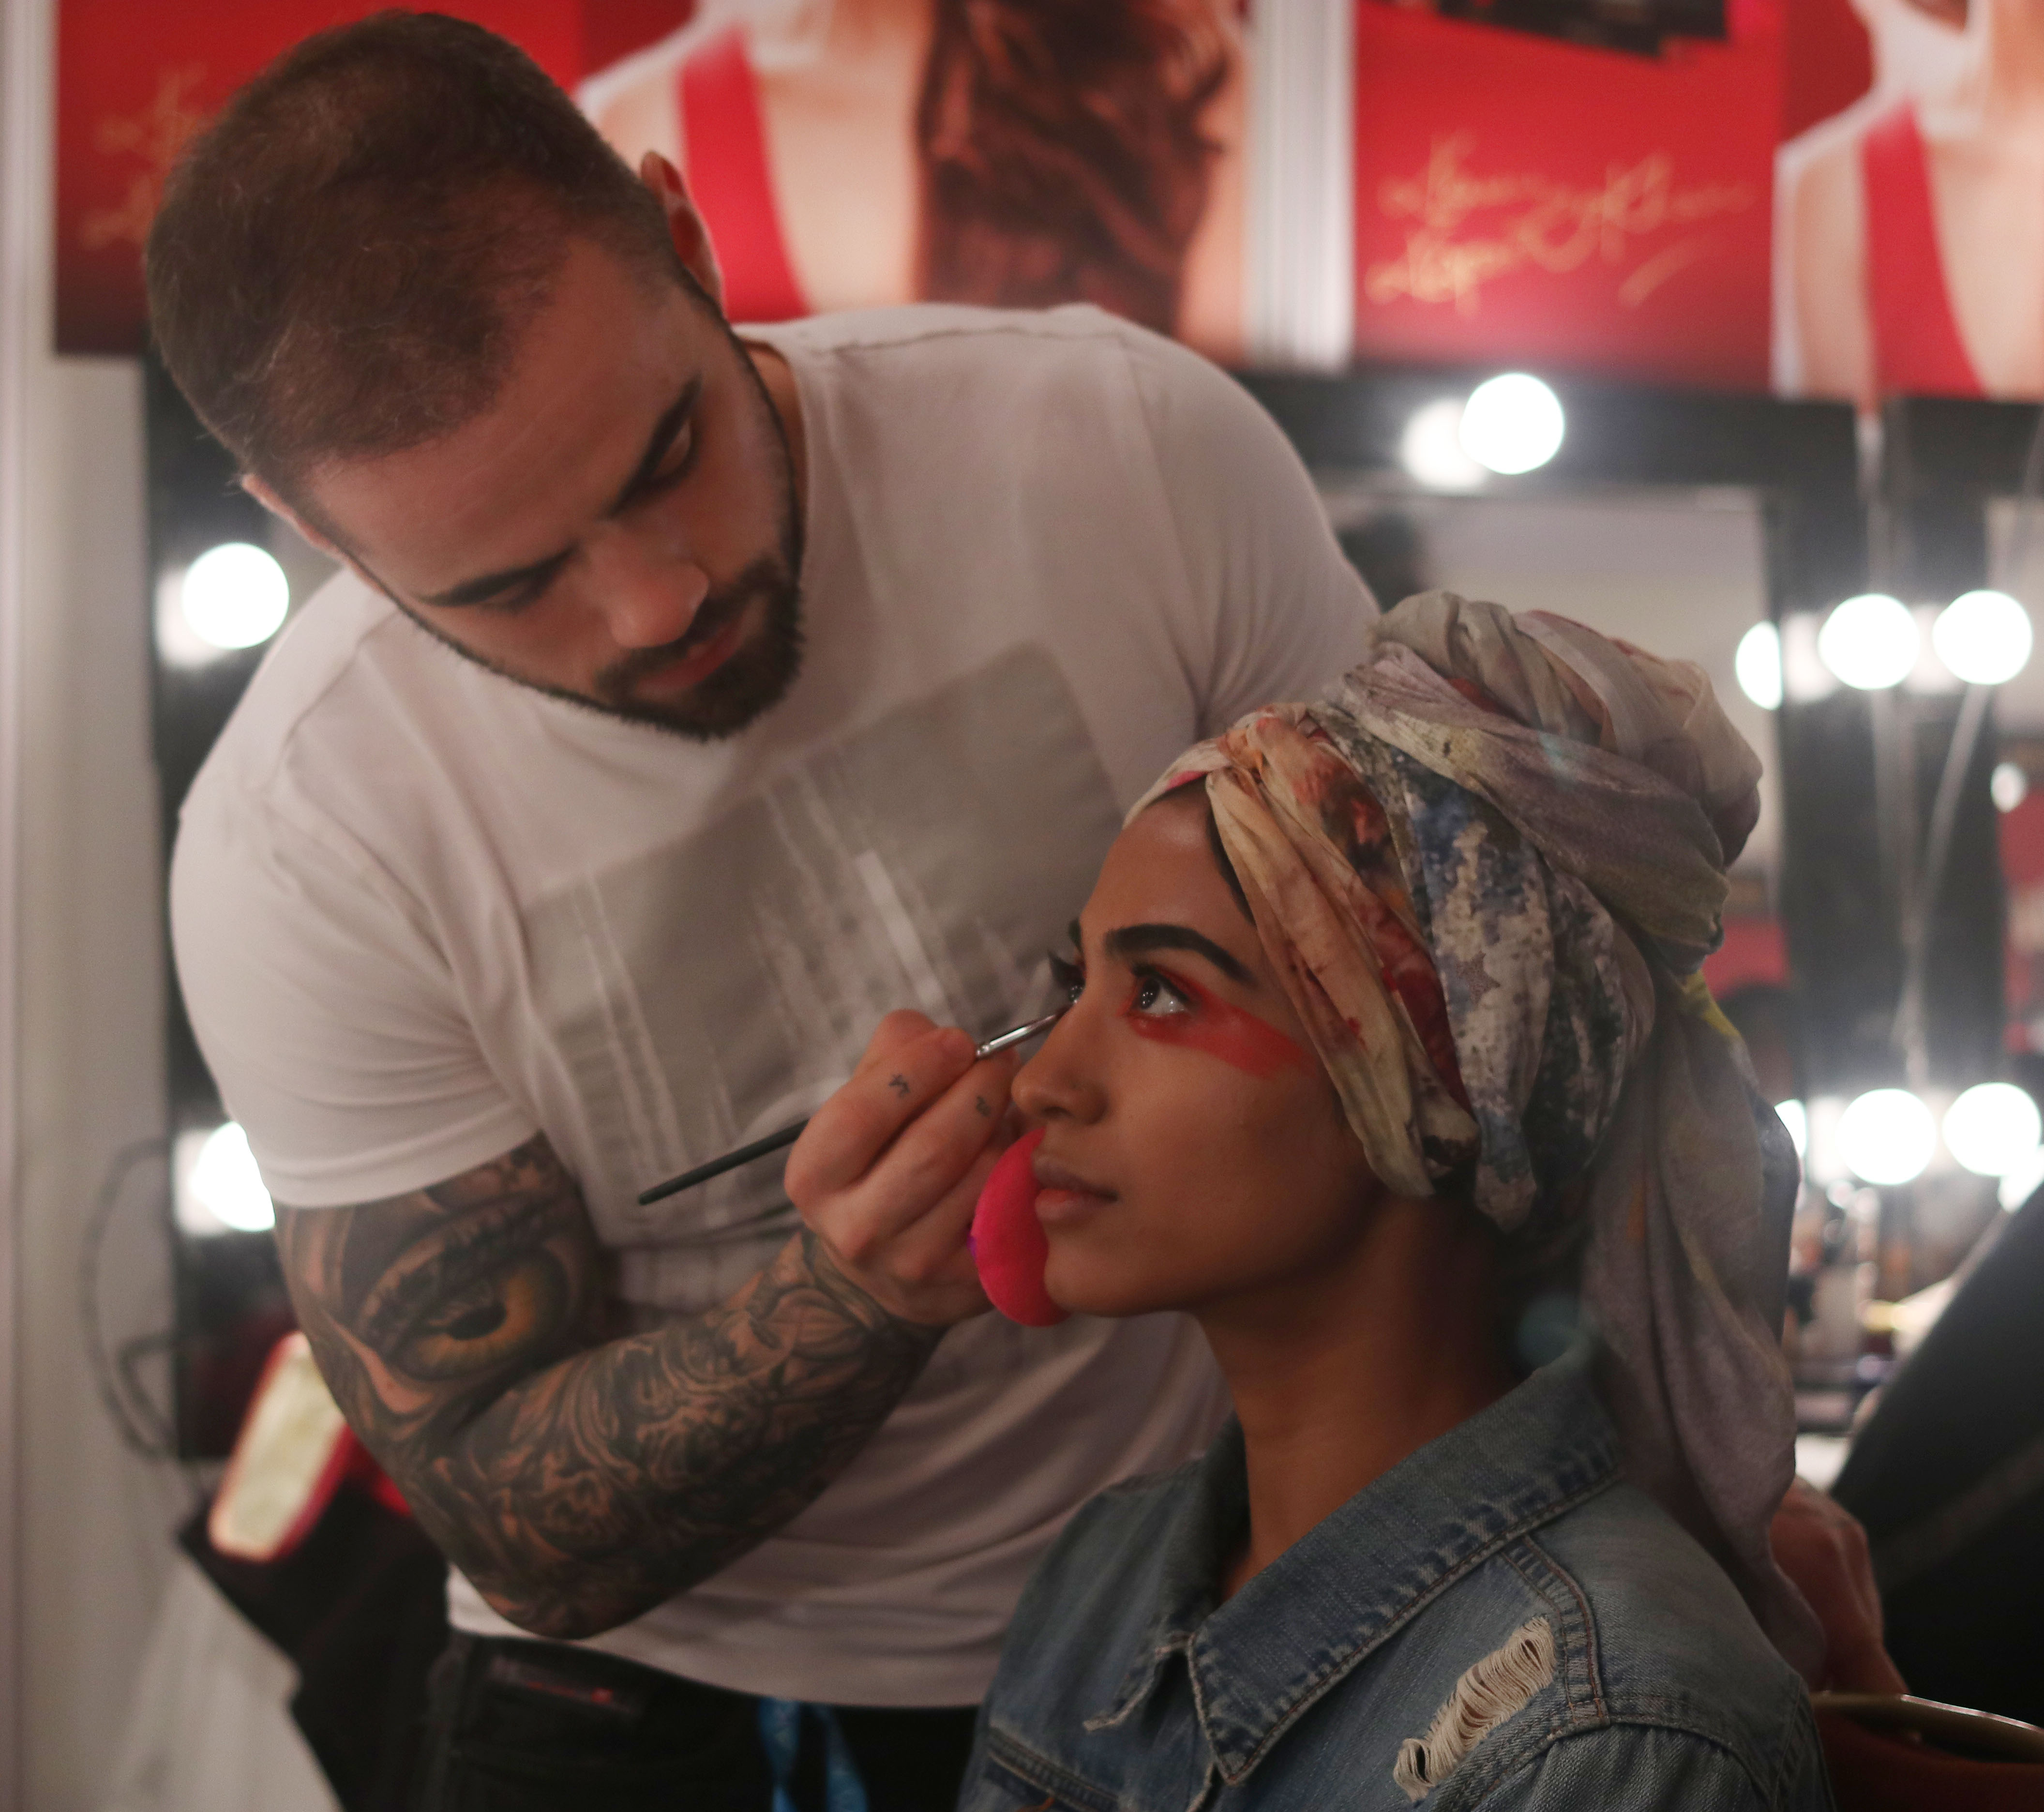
648,593
1061,1081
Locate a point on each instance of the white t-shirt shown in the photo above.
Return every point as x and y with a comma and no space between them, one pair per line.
422,912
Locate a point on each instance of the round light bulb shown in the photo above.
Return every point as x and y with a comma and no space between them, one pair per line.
1796,1121
1430,448
1870,641
225,1180
234,595
1887,1136
1512,423
1756,666
1983,638
1993,1128
2009,786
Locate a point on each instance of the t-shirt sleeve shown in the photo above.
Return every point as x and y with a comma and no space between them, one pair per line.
330,1020
1280,611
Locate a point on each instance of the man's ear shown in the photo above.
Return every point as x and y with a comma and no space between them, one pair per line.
685,225
267,496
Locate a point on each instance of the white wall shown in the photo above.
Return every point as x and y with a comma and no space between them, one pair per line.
93,1520
18,264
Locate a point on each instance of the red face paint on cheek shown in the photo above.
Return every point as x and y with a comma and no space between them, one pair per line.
1222,1030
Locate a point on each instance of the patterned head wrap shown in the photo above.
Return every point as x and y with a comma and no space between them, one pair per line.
1486,872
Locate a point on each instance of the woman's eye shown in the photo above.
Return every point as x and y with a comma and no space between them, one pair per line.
1155,997
1069,979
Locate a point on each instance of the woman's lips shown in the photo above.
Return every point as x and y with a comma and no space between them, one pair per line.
1063,1194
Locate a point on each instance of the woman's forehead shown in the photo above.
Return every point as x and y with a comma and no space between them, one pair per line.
1162,869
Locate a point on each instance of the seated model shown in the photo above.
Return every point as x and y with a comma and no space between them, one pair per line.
1386,1052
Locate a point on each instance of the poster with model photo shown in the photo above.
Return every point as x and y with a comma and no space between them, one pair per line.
1568,184
850,153
1909,252
846,152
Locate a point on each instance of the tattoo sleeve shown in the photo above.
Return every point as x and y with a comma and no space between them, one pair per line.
578,1481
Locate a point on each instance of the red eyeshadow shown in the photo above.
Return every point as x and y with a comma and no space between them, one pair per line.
1222,1030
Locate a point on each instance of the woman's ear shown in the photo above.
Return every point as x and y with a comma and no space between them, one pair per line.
685,225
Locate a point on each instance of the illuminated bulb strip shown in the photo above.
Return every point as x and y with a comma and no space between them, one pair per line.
1432,450
1983,638
234,596
1512,423
1758,666
1887,1136
1796,1122
1870,642
226,1182
1993,1129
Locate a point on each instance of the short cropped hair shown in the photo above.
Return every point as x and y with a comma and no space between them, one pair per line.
344,261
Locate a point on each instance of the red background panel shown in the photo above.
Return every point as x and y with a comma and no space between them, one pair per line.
1519,198
1590,209
134,81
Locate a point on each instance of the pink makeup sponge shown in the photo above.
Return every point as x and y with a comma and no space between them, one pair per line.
1008,1242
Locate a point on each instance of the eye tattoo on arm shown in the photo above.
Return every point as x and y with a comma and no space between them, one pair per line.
579,1481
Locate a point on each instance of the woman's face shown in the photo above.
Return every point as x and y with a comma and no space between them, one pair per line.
1194,1152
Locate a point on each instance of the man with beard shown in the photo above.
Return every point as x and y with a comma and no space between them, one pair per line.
766,684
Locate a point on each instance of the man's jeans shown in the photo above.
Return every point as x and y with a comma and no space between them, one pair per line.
515,1726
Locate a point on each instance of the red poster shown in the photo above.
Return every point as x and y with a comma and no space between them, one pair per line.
844,153
1519,198
135,80
1627,207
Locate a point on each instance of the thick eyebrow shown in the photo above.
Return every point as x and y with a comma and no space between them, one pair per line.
666,431
1134,940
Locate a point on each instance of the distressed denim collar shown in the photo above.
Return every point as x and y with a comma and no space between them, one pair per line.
1259,1661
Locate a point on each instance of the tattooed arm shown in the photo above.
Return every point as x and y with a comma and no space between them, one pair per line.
578,1481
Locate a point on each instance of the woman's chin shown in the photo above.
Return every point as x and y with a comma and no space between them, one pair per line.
1083,1286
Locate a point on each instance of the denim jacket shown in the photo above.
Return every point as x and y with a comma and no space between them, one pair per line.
1499,1621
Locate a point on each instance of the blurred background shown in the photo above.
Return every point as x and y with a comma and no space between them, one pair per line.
1677,316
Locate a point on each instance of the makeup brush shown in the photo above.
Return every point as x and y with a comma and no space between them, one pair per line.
788,1135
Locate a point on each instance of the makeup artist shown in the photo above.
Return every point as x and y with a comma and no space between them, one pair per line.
686,701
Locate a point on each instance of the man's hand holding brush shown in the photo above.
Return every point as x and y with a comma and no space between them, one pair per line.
887,1170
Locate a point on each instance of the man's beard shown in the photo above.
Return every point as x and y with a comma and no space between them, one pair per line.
753,678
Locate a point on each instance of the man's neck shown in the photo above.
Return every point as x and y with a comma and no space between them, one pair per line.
783,392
